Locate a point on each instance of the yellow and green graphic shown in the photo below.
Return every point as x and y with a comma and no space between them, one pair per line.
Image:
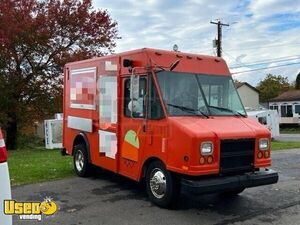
131,146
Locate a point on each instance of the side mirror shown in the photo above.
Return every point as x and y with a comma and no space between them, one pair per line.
134,87
134,94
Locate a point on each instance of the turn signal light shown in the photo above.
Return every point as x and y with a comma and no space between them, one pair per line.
210,159
259,155
267,154
202,160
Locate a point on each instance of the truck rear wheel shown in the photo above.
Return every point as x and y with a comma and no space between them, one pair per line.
163,188
81,162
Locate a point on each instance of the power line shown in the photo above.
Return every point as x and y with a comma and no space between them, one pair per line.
264,63
270,67
240,63
263,60
264,46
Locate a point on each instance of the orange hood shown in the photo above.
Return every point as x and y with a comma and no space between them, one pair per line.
224,127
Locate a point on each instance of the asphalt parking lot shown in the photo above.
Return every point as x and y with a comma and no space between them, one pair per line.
111,199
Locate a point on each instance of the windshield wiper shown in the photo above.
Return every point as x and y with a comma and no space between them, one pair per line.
236,113
183,108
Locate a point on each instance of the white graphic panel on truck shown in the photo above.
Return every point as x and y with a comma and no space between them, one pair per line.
108,143
110,66
108,99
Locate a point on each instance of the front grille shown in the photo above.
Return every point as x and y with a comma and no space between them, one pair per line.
237,156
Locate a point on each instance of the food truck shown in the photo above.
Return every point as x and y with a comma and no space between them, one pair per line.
172,119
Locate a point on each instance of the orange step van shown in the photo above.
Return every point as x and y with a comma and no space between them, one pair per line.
170,118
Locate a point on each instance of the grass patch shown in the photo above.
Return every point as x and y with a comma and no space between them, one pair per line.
290,130
37,164
280,145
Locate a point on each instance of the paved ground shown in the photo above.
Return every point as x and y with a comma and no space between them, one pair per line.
111,199
288,137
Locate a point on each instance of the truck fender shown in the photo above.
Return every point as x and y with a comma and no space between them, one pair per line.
146,163
82,138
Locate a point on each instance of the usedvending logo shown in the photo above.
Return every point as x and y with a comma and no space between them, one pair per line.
30,210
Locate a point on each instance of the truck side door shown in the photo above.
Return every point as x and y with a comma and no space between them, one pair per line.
132,138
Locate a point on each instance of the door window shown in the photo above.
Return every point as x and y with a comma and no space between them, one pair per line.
137,104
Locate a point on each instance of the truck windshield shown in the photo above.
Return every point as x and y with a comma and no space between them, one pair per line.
187,94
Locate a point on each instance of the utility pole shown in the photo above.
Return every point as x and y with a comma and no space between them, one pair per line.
219,38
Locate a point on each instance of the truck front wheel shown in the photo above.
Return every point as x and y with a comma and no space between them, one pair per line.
163,188
81,162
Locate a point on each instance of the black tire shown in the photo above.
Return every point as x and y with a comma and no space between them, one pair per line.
82,168
157,172
233,192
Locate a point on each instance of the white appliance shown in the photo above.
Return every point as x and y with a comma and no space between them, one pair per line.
53,133
268,118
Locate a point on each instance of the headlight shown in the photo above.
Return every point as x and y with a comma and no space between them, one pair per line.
263,144
206,148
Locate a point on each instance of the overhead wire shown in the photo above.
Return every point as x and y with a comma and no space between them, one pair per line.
264,46
240,63
267,60
264,63
265,68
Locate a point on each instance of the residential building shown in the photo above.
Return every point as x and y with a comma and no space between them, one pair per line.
288,106
249,95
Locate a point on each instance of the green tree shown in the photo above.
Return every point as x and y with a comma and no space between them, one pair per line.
297,84
37,38
272,86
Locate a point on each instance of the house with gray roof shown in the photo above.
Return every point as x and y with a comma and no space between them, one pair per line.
288,106
249,95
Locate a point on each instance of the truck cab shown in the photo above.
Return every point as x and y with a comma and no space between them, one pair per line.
178,122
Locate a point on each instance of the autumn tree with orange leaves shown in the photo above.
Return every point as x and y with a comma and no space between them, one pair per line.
36,39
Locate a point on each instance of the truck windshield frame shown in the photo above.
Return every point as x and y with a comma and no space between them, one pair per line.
190,94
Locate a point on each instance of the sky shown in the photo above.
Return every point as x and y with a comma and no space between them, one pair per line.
262,33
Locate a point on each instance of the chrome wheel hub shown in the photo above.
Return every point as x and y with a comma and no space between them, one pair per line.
158,184
79,160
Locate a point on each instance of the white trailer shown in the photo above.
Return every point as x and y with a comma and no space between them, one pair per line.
269,118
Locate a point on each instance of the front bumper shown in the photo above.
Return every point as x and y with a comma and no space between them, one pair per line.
222,184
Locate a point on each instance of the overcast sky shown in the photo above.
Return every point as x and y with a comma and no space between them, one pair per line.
260,31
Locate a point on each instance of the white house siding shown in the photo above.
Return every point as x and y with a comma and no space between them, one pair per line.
250,98
292,117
